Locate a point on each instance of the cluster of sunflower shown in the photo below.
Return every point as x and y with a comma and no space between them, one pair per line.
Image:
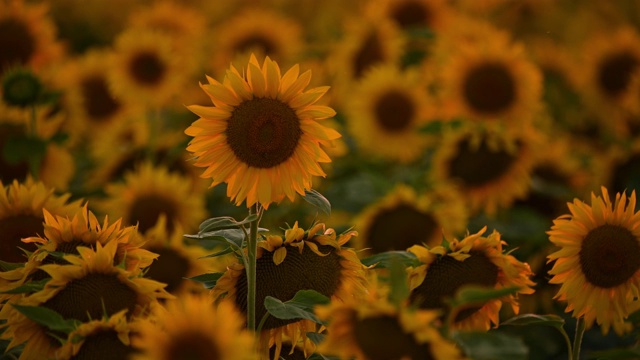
436,128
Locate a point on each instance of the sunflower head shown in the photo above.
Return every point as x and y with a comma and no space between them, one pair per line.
598,260
262,137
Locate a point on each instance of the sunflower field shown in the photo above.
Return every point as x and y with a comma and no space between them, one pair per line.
282,179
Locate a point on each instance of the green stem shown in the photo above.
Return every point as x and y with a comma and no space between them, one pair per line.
568,342
577,341
252,248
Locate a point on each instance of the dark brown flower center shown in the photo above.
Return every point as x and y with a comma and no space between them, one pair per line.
489,88
99,103
609,256
382,337
92,297
298,271
394,111
256,43
147,68
193,345
285,352
9,170
479,166
411,14
104,345
70,247
17,41
263,132
146,211
169,268
12,229
369,54
614,73
399,228
446,275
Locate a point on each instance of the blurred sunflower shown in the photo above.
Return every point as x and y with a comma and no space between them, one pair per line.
373,328
262,136
27,35
412,14
103,339
90,287
290,351
403,218
150,192
262,32
302,260
146,69
492,170
388,108
21,215
598,259
474,260
194,328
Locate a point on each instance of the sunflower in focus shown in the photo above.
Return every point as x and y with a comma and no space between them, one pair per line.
475,260
403,218
373,328
598,259
388,108
301,260
262,136
27,36
150,192
194,328
491,169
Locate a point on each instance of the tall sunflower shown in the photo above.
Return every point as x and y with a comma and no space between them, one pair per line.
598,259
194,328
262,136
404,218
388,107
302,260
150,192
474,260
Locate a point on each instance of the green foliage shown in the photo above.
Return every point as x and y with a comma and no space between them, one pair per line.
47,318
534,319
208,280
28,288
386,259
491,346
300,307
318,200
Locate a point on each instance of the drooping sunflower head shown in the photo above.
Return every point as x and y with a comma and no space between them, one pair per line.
475,260
598,259
262,137
301,260
403,218
150,192
194,328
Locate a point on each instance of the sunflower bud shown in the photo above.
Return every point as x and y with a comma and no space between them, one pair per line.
20,87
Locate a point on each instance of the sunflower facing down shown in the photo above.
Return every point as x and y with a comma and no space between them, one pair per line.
194,328
474,260
302,260
262,137
598,260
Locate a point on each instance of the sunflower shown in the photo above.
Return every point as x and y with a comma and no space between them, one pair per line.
150,192
194,328
412,14
474,260
373,328
302,260
388,108
291,351
147,69
87,288
261,137
21,215
105,338
177,260
262,32
597,279
491,169
28,36
403,218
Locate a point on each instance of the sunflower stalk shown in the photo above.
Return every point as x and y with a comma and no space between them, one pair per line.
252,249
577,340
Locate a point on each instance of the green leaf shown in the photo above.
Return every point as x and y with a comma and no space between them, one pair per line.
420,32
535,319
30,287
318,200
616,354
208,280
300,307
385,259
316,356
432,127
491,346
48,318
8,266
224,222
226,251
398,281
317,338
476,295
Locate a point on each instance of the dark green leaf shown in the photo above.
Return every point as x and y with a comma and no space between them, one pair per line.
420,33
8,266
491,346
224,222
226,251
535,319
317,338
208,280
398,280
384,260
300,307
30,287
47,317
316,356
475,295
616,354
318,200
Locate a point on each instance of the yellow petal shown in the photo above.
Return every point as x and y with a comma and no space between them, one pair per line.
279,255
